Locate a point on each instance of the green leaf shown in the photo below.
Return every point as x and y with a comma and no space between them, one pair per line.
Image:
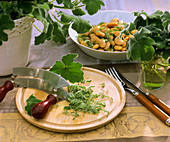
41,15
65,29
47,6
157,22
68,4
165,16
92,6
166,25
80,25
4,36
58,34
31,101
157,14
78,11
153,29
41,1
128,30
40,39
69,59
68,69
152,38
166,53
26,6
6,22
49,32
139,21
141,47
144,31
160,45
59,1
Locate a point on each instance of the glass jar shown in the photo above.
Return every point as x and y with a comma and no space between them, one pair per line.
154,72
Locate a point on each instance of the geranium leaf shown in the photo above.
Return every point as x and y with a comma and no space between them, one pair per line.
79,24
78,11
68,69
92,6
31,101
141,47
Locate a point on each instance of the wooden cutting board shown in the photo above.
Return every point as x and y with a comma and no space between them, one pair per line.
57,121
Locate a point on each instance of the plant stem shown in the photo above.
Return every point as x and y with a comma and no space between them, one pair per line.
37,28
158,74
62,7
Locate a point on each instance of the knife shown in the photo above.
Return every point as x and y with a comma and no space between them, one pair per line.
39,79
150,97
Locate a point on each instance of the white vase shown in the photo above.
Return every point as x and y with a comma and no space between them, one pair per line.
15,51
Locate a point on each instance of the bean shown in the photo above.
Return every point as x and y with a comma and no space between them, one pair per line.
95,46
107,46
117,47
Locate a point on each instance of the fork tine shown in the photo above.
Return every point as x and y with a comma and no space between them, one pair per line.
115,72
112,71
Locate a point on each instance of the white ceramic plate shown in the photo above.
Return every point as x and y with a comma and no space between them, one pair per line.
103,16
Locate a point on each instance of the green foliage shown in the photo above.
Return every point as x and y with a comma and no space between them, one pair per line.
68,69
92,6
153,37
54,28
79,24
31,101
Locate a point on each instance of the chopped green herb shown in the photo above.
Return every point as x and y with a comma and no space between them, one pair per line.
88,80
103,85
100,23
106,34
82,99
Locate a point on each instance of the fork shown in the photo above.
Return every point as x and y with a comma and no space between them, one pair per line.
142,99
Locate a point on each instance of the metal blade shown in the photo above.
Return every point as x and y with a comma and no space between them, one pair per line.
62,94
53,78
41,85
34,83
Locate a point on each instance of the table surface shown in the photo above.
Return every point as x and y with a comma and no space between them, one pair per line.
134,123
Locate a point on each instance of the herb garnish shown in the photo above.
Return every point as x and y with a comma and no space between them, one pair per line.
103,85
82,99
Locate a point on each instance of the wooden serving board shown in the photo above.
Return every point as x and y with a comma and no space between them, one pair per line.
57,121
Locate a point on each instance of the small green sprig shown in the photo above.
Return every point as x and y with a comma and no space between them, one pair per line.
82,99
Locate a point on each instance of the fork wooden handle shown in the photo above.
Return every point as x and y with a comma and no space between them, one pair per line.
155,110
159,103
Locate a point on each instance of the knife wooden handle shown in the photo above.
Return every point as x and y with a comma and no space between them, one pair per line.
159,103
40,109
4,89
155,110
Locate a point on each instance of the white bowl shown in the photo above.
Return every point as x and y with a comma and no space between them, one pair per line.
103,16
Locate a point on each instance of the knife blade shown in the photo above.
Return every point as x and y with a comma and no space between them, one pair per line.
41,85
56,80
34,78
150,96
